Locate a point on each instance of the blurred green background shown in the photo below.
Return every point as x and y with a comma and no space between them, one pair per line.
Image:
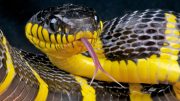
15,13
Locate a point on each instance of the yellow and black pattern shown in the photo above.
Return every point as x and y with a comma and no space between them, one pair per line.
66,87
147,54
99,90
144,43
141,34
6,65
25,83
139,43
12,85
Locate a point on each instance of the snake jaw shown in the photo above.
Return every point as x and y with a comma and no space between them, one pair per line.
43,39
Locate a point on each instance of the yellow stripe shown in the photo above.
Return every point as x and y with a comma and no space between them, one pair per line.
137,95
172,34
34,30
171,52
101,25
87,91
64,40
28,28
59,38
53,39
28,31
10,69
132,71
171,29
43,87
40,33
45,33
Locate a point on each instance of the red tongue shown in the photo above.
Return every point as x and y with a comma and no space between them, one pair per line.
96,62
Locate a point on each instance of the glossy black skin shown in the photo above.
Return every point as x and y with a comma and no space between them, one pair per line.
75,18
136,35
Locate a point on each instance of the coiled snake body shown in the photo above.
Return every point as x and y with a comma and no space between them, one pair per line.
140,50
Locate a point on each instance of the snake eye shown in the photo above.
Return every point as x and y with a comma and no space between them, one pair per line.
96,18
54,25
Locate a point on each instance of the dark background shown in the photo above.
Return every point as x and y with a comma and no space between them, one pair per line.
15,13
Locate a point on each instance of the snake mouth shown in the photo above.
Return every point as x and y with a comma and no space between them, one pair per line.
42,39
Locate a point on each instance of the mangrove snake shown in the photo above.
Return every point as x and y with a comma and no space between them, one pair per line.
140,50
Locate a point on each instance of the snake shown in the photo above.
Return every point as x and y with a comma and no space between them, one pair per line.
130,58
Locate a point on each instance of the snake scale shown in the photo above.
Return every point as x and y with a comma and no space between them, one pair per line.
140,51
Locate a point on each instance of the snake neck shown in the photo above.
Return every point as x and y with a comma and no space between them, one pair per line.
73,61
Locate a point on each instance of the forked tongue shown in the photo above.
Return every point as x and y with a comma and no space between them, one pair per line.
96,62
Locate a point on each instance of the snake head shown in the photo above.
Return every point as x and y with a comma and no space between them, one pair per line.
58,27
65,31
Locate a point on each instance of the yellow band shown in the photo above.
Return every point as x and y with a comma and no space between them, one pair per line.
87,91
10,69
137,95
43,87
